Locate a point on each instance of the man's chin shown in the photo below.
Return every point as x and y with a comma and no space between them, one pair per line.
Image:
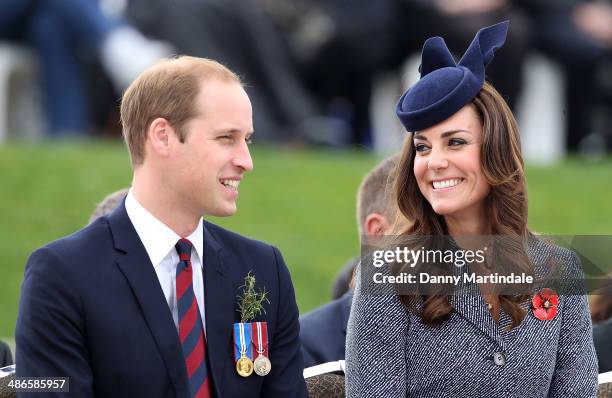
225,212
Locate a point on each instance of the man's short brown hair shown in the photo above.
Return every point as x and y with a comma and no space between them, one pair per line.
375,192
168,90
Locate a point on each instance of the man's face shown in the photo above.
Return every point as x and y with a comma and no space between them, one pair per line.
215,155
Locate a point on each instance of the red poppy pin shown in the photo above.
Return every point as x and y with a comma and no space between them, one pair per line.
545,304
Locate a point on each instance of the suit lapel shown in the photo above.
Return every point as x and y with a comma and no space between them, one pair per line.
136,266
220,309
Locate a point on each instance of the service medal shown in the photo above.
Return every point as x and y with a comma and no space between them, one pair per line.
260,342
243,351
262,365
244,367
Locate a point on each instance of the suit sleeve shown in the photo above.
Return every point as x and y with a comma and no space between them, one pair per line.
50,327
575,372
286,379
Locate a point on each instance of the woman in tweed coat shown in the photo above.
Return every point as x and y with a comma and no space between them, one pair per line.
461,173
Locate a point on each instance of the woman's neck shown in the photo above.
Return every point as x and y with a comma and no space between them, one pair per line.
468,223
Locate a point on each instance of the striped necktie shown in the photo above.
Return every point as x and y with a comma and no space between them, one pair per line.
191,332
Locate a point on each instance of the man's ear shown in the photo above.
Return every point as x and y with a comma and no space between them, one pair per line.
159,135
376,224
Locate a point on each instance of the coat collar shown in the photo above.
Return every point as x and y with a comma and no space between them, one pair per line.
469,304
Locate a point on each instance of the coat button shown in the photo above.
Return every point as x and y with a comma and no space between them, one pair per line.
499,359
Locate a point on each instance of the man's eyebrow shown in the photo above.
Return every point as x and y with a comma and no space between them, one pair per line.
445,134
233,131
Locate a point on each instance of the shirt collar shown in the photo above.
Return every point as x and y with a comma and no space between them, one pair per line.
156,237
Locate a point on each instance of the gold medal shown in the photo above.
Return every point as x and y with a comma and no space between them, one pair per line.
262,365
244,366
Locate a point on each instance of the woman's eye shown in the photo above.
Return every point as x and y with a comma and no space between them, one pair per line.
456,142
420,147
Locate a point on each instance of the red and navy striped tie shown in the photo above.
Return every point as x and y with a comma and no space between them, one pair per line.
191,332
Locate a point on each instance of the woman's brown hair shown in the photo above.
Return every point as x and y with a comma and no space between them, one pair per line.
506,204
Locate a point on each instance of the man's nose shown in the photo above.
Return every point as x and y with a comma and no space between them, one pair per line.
243,158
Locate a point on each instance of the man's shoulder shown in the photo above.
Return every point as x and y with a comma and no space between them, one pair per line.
93,238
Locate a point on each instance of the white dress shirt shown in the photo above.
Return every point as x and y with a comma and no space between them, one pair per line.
159,242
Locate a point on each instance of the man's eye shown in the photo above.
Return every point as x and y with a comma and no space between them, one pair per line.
226,137
249,141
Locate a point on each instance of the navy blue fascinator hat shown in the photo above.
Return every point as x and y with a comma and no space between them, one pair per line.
445,86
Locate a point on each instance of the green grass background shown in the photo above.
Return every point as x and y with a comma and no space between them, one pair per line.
301,201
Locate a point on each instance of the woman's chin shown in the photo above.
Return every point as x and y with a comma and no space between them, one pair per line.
443,209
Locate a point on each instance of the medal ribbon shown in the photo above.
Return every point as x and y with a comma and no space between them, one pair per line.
260,337
242,334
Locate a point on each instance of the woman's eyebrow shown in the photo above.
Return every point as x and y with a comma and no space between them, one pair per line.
445,134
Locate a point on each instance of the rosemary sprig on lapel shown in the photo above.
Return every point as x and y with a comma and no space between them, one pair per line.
250,302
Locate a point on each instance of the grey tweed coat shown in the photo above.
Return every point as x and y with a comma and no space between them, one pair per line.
391,353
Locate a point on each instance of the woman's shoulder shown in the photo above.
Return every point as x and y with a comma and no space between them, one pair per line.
554,263
542,249
541,246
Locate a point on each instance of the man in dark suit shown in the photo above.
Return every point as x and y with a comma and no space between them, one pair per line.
323,330
142,302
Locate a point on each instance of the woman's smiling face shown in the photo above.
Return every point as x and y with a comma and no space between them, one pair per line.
447,164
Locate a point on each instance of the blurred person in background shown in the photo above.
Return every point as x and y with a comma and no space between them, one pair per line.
601,314
578,35
323,330
108,204
64,33
339,47
376,215
601,307
6,358
602,338
240,35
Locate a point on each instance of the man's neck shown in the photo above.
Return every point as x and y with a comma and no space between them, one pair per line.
165,206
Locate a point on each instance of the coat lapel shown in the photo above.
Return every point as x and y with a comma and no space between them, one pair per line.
136,266
469,303
220,309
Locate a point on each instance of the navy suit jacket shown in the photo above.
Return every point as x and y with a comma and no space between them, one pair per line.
92,309
323,331
602,338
